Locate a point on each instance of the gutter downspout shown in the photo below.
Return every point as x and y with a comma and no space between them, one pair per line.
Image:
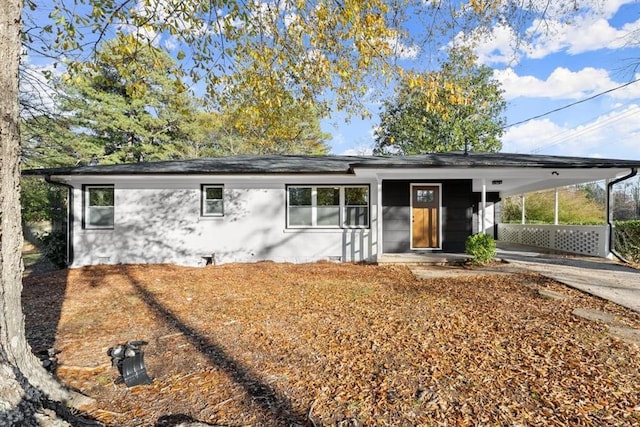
634,172
70,218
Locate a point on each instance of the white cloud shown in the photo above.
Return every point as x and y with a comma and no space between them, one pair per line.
36,93
556,10
563,83
614,135
170,43
583,35
498,48
360,150
402,50
166,11
527,137
588,31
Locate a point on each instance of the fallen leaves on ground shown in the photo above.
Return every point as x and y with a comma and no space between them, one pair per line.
334,344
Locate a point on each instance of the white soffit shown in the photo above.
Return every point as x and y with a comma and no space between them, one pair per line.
507,181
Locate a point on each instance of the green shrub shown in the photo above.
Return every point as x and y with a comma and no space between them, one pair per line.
627,239
481,247
54,246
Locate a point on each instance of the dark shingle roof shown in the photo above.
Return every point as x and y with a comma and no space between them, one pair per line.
294,164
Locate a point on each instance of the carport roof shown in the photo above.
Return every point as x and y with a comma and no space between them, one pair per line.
299,164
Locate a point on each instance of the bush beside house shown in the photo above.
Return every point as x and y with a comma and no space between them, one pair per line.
481,247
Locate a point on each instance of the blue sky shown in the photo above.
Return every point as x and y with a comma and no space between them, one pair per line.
594,53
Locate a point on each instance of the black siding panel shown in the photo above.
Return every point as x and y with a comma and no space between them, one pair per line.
457,214
396,227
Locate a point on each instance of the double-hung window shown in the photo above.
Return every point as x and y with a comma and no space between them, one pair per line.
326,206
356,206
212,200
99,203
300,206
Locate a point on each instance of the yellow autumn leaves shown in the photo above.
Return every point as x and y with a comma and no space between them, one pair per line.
439,94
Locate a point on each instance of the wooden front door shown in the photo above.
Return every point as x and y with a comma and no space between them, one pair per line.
425,216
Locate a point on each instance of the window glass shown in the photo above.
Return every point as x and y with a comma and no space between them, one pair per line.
356,206
300,213
328,210
425,196
330,207
99,205
212,202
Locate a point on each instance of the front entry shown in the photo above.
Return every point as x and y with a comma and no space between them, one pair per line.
425,216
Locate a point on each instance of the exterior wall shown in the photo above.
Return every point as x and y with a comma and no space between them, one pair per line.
157,220
579,239
492,214
457,212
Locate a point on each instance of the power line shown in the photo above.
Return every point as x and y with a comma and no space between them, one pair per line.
572,104
570,134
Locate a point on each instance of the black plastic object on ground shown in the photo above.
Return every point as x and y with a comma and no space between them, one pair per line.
129,359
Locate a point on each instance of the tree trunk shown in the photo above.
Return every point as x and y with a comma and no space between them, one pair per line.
26,388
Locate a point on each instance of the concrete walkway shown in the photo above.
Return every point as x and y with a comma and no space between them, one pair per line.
601,277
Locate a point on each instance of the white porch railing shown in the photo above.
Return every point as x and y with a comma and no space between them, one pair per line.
578,239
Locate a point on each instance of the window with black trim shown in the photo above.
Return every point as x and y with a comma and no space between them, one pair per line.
212,200
99,206
327,206
356,206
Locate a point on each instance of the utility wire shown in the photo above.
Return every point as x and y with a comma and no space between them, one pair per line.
572,104
573,133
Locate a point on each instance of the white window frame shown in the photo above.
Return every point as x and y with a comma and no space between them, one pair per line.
203,200
342,207
86,219
343,203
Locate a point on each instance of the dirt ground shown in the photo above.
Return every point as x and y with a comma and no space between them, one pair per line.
334,344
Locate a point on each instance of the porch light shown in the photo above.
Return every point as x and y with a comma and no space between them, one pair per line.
129,359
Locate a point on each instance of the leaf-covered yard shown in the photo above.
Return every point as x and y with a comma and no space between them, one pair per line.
334,344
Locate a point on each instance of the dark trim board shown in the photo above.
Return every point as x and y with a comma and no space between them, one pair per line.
458,201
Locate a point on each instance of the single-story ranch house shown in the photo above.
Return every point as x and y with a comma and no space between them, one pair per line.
300,208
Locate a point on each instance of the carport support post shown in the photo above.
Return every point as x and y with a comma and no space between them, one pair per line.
555,208
608,217
380,233
484,206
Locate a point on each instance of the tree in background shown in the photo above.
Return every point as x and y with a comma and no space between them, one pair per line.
128,105
626,200
575,206
580,204
289,126
291,129
457,108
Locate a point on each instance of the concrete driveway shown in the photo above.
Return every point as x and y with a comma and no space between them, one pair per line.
601,277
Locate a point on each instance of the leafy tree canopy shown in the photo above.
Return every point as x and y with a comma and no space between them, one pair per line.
233,45
331,52
128,105
289,129
292,126
456,108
